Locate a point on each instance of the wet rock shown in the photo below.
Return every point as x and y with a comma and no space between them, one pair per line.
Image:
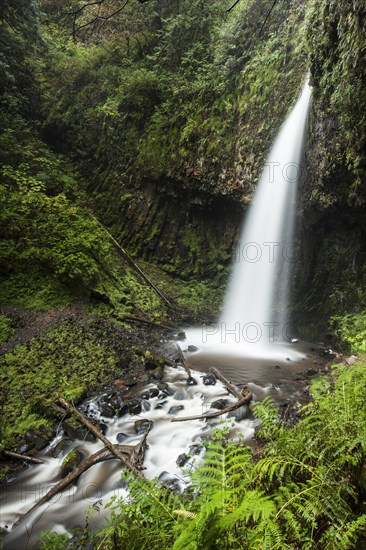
181,335
209,380
75,432
142,426
102,427
85,435
150,393
192,348
195,449
38,441
145,405
311,372
165,389
182,460
25,447
277,367
61,447
288,359
219,404
153,361
134,406
71,461
191,381
122,410
175,410
161,405
107,411
121,437
169,481
241,413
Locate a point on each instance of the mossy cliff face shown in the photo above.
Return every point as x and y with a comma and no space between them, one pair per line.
332,274
171,140
188,234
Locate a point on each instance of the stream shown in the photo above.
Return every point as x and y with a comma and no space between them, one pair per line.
174,448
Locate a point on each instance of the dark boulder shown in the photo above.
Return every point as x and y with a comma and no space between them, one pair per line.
175,410
142,426
209,380
71,461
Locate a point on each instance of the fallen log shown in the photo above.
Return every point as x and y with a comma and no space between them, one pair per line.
136,453
184,361
134,266
243,398
228,385
19,456
129,318
113,448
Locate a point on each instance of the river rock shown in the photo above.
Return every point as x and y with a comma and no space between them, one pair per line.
76,432
71,461
142,426
134,406
311,372
102,427
169,481
121,437
175,410
25,447
61,447
161,405
209,380
241,413
145,405
150,393
192,349
38,441
219,404
191,381
107,411
195,449
181,335
182,460
165,389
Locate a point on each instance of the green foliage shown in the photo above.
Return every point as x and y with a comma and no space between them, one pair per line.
304,490
351,330
49,232
69,359
7,329
338,64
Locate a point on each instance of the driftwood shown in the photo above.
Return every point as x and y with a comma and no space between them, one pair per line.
228,385
129,318
133,453
184,361
19,456
244,397
133,457
113,448
134,266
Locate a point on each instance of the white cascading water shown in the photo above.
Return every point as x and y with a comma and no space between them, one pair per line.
265,246
255,305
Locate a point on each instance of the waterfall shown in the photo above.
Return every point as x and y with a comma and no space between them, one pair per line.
256,299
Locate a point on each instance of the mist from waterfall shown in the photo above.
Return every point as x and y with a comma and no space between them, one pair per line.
256,299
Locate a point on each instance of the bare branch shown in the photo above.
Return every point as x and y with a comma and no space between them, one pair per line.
233,6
